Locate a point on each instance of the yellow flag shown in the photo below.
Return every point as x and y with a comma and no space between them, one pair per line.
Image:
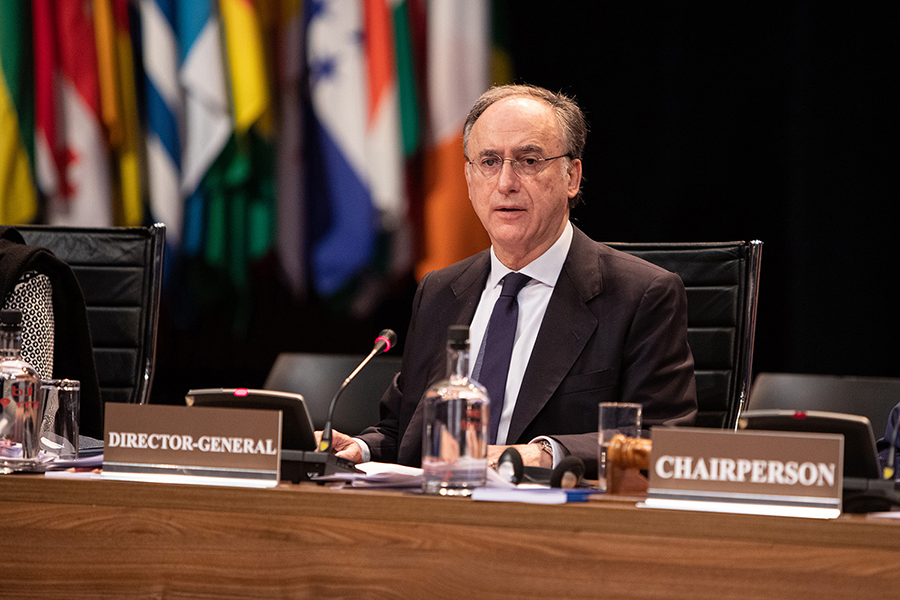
18,203
118,107
247,65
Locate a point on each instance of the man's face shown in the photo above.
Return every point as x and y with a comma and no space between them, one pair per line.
523,216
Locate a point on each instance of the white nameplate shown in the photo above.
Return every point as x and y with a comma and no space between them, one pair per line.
178,444
758,472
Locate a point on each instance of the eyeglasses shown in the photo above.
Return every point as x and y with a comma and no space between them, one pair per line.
527,166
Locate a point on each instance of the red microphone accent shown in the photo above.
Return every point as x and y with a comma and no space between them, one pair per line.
386,341
241,392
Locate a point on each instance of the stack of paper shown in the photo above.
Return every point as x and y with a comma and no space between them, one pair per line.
398,477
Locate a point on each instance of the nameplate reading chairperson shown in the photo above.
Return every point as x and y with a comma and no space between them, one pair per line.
178,444
759,472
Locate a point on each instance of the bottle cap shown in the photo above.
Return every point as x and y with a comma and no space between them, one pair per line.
458,336
11,317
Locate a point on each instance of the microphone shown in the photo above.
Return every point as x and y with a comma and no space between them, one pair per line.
384,342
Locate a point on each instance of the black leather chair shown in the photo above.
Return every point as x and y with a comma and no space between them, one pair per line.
870,397
120,272
722,280
317,377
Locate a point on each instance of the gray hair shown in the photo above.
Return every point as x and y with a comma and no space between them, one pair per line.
571,119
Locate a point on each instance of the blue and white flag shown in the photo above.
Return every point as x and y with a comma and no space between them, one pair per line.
164,109
343,221
207,117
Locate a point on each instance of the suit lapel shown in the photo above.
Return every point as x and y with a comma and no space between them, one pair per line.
459,310
466,290
567,325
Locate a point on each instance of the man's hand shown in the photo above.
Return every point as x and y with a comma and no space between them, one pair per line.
342,445
532,455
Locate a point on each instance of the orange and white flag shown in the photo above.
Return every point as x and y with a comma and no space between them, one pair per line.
458,38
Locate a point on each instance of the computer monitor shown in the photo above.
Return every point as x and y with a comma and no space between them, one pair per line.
860,455
296,425
299,459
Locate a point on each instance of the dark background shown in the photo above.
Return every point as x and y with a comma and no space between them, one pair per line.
709,122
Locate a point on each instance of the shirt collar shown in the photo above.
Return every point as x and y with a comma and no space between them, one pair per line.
545,268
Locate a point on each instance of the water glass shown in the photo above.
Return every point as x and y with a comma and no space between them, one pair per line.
59,427
615,418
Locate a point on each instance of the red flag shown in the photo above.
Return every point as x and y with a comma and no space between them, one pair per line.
73,165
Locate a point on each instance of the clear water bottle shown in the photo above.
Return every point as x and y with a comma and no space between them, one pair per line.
20,402
454,445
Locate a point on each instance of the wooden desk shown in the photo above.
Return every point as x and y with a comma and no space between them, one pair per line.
106,539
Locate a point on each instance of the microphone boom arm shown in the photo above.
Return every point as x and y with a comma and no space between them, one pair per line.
383,343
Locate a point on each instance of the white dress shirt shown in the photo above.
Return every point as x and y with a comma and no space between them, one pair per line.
533,301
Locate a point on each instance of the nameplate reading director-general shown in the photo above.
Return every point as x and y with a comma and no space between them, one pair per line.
758,472
178,444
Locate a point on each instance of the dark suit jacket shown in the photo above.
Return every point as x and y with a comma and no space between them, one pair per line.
615,330
73,355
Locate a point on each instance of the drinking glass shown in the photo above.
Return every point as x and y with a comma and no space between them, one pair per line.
59,427
615,418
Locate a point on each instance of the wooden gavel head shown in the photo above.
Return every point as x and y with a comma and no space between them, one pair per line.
625,457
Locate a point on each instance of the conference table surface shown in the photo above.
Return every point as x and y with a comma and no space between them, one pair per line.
74,539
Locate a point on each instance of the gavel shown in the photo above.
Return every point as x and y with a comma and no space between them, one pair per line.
625,457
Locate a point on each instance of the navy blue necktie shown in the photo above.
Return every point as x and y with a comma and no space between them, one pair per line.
498,345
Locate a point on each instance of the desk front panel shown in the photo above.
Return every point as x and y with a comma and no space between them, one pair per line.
102,539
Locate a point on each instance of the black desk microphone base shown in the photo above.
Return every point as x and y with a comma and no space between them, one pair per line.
863,495
303,465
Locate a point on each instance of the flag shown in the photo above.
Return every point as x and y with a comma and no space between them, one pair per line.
343,220
73,163
48,154
409,37
131,153
18,202
202,75
410,41
458,61
384,149
164,112
291,206
108,71
384,134
241,222
119,112
248,66
207,114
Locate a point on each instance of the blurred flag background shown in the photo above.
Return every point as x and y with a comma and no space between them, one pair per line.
305,155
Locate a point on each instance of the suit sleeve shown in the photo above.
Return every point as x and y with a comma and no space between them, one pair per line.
383,439
657,366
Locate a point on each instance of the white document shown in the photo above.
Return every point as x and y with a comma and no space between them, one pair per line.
528,495
378,475
393,476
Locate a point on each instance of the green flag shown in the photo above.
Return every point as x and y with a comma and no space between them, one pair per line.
18,202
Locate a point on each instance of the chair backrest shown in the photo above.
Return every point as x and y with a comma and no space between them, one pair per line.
317,377
722,280
870,397
120,273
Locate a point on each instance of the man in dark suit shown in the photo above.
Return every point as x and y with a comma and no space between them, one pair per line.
594,324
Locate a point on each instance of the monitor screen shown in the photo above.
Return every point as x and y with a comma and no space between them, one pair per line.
860,455
297,428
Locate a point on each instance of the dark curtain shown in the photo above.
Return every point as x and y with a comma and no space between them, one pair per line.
716,121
